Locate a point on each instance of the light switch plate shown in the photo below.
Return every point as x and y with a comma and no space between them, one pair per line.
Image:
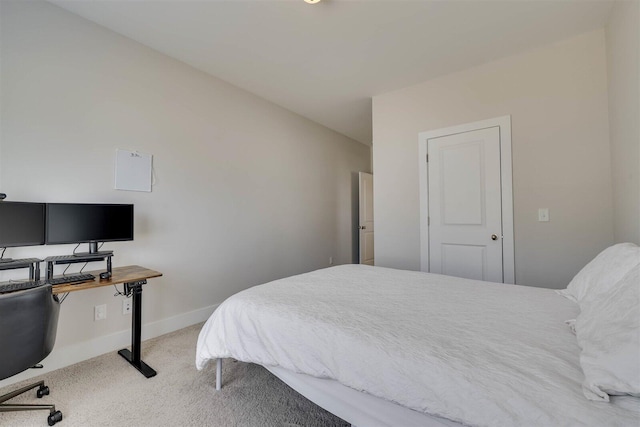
543,214
100,312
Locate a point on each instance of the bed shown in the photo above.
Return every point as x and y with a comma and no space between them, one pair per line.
379,346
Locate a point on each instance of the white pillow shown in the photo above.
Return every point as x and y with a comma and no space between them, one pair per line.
608,330
603,272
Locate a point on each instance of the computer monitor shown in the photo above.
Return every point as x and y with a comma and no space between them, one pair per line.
88,223
21,224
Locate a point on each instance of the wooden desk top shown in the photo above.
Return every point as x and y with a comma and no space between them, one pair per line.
130,273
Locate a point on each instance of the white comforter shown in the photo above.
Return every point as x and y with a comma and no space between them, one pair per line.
475,352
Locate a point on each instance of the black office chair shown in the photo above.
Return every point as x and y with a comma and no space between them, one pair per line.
28,324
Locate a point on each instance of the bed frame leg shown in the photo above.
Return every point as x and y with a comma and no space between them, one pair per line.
218,374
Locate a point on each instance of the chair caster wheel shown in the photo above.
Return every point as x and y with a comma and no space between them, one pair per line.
54,418
42,391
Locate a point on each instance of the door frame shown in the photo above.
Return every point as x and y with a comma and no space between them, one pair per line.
362,201
506,179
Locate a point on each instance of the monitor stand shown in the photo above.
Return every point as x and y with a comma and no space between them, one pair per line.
93,250
96,254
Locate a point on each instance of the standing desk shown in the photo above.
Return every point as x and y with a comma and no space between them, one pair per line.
133,277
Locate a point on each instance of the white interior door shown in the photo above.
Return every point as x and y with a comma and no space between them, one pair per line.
465,209
365,214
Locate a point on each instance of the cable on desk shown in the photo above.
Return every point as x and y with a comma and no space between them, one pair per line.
2,255
63,297
74,252
69,265
85,264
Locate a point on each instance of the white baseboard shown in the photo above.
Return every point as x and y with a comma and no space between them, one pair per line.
68,355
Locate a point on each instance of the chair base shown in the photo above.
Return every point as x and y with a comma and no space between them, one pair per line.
54,416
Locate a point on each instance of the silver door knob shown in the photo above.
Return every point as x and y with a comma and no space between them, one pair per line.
363,227
494,237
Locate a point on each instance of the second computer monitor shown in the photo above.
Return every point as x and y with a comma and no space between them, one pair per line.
88,223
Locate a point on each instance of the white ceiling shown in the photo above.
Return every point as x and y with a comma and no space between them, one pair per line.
326,61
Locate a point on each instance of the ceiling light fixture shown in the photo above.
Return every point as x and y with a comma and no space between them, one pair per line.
312,1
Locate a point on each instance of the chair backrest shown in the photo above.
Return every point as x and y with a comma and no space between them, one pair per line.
28,325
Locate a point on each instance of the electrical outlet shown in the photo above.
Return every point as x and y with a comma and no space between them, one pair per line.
100,312
126,306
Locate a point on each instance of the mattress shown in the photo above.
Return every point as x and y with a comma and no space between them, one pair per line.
358,408
474,352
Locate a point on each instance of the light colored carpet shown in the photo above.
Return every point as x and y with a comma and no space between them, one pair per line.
106,391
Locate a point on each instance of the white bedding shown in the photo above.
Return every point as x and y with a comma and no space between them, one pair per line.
475,352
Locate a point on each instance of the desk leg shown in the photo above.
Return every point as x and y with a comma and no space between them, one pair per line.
133,356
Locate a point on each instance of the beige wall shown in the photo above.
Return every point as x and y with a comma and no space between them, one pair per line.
623,71
246,191
557,98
